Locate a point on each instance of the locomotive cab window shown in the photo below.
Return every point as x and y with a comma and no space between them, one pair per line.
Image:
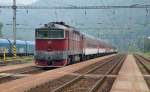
56,34
50,34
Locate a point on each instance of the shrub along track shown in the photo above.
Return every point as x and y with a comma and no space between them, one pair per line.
15,61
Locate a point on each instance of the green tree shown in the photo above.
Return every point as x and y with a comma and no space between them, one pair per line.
1,26
146,45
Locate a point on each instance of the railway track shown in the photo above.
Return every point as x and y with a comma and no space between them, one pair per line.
144,65
10,75
86,69
144,62
97,79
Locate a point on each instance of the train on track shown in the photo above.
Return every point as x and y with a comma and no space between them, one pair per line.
58,45
22,47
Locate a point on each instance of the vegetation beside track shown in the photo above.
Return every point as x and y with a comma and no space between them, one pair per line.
18,60
147,54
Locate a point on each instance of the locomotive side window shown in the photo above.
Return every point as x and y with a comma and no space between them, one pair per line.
58,34
42,34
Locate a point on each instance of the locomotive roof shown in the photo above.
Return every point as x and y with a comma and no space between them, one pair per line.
58,25
55,25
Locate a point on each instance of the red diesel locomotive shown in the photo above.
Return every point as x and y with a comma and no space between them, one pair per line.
58,45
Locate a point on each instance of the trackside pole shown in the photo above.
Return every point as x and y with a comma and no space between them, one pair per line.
14,52
4,55
14,7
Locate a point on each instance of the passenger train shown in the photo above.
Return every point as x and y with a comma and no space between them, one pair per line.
58,45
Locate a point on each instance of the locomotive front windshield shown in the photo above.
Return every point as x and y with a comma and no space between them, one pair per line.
56,34
42,34
50,34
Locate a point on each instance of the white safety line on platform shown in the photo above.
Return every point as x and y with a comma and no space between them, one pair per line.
13,75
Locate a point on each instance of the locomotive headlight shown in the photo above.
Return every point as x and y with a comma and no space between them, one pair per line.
49,42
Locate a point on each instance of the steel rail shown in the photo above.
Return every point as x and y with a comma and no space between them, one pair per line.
142,63
146,59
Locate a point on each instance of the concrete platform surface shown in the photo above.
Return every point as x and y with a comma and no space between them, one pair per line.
130,79
13,67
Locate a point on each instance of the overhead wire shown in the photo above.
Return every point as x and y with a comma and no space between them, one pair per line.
76,7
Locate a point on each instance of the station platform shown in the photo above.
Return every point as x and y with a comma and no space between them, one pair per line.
130,79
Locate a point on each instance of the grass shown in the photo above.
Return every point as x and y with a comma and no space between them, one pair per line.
21,59
147,54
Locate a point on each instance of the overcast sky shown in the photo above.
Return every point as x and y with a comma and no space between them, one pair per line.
80,2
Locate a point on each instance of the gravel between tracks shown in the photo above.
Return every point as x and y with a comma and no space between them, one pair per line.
147,81
83,70
49,86
11,75
7,79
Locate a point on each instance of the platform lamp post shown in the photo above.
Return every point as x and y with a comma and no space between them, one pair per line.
14,7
